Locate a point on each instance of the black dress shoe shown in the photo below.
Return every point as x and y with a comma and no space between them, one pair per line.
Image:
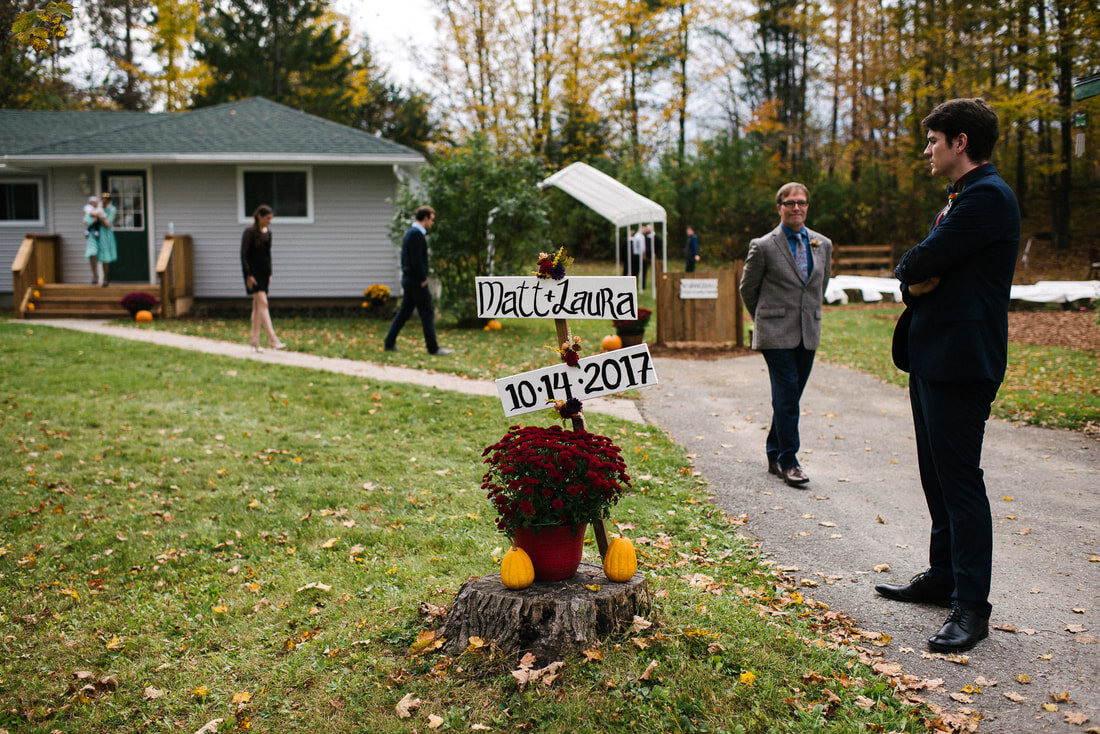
795,477
773,468
963,630
921,589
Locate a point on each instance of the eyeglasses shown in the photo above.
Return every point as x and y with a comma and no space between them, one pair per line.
792,203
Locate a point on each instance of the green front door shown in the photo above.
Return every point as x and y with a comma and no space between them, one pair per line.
128,195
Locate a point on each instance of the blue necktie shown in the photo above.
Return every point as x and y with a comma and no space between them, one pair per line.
800,259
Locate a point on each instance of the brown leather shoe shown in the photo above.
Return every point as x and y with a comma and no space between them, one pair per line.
773,468
795,477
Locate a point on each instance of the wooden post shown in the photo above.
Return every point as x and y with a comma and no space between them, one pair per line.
565,336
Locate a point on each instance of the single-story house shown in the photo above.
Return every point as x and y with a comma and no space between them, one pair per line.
202,173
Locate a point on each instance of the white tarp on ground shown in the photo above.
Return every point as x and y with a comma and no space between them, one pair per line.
1057,291
872,290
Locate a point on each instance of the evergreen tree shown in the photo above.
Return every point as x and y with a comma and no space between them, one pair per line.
290,51
115,26
490,218
385,108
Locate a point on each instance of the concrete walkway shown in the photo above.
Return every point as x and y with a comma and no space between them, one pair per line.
864,510
618,407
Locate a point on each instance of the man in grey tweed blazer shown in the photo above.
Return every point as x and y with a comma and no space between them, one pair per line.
783,285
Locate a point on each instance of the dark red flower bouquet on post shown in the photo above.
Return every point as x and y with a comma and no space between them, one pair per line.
546,477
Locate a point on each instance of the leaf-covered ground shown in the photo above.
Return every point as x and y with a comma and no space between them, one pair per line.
197,543
1067,329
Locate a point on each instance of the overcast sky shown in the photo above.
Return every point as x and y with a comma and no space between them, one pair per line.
397,29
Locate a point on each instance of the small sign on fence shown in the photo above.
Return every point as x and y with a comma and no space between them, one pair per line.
699,288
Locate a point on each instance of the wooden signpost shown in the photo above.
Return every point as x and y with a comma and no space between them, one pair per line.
610,298
555,617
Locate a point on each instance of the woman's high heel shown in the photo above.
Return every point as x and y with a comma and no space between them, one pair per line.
256,347
278,345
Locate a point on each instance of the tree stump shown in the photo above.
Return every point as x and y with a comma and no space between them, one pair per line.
547,619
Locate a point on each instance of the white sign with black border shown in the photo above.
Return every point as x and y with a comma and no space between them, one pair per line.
584,297
600,374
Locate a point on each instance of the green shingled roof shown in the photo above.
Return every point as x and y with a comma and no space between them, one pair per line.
251,127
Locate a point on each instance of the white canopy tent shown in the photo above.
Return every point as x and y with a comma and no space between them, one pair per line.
617,203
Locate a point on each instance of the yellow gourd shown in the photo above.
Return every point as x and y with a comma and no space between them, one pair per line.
516,571
620,562
143,317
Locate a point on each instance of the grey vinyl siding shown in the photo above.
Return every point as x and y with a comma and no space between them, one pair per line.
65,206
344,250
12,234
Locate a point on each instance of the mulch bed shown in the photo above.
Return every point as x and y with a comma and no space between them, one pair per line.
1069,329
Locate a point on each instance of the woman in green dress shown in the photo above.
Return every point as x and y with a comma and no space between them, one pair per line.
101,246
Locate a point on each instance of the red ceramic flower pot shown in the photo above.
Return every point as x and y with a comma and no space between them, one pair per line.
555,552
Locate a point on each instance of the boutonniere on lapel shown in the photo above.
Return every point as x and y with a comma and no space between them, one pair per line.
814,244
952,194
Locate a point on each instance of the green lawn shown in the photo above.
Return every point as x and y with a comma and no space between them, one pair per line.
188,538
1045,386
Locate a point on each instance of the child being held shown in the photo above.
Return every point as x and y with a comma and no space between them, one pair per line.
93,210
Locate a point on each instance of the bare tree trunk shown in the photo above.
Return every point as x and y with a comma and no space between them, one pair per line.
1063,14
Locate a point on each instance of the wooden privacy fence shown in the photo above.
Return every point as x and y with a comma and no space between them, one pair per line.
851,259
711,320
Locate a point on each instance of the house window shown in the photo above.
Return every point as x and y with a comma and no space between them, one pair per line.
20,203
287,191
128,196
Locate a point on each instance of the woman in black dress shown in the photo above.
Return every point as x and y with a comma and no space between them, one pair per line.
256,266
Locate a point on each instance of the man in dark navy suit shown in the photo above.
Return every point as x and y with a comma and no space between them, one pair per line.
953,341
414,284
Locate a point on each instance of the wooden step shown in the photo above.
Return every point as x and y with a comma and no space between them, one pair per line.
84,300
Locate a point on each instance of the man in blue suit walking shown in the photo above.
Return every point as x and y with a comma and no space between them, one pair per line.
953,341
414,283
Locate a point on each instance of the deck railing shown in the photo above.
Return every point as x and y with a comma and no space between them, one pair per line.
38,262
176,273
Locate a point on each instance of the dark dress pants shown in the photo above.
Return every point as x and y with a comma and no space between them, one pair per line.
416,297
689,264
788,370
949,418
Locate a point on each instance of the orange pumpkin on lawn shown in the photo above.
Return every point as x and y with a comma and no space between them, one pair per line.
143,317
611,342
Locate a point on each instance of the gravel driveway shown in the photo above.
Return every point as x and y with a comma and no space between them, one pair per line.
864,508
